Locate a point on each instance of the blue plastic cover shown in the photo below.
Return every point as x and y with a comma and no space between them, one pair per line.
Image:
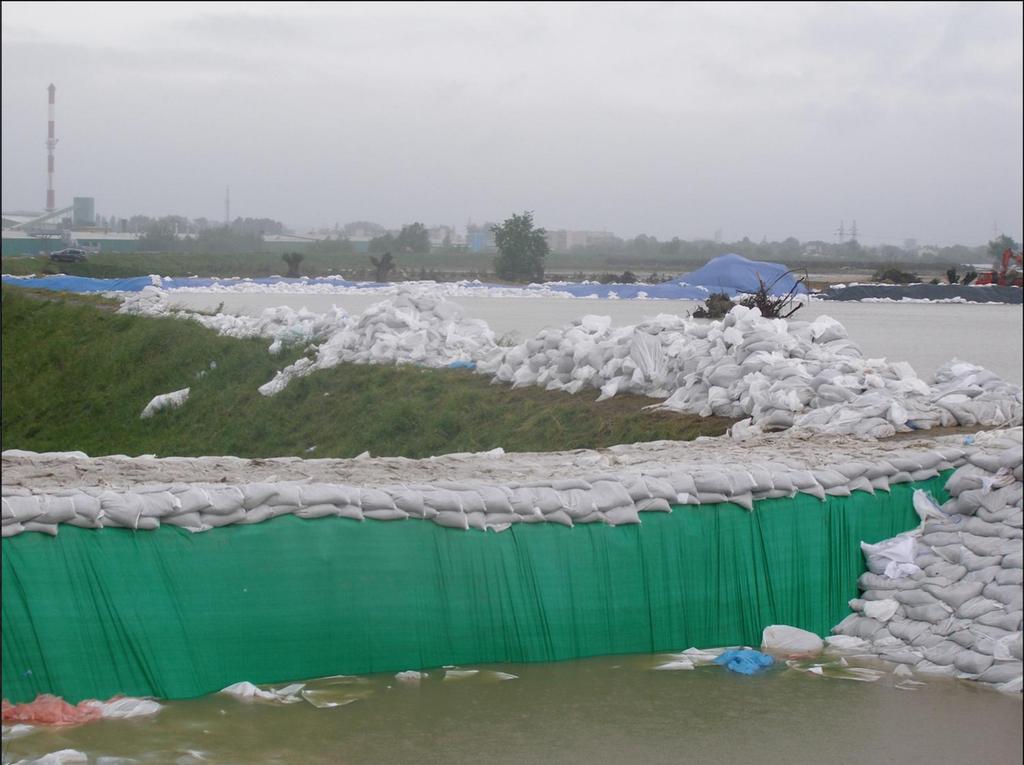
65,283
745,661
730,274
733,273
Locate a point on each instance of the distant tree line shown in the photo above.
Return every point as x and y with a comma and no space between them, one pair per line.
175,233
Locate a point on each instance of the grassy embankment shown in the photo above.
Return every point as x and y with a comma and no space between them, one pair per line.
76,376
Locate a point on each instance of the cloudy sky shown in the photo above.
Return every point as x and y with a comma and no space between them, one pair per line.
668,119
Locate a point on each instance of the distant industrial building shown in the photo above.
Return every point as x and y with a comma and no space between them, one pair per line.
83,212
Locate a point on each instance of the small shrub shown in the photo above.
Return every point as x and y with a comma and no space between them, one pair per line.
895,276
715,307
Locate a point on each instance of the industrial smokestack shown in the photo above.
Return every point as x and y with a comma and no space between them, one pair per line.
51,144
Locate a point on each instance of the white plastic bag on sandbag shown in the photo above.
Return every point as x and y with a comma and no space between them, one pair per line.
883,610
895,557
926,507
790,641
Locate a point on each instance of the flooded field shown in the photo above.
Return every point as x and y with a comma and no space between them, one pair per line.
594,711
926,335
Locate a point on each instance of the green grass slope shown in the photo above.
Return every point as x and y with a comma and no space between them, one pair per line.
76,376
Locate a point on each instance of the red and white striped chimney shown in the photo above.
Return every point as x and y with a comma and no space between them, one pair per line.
51,143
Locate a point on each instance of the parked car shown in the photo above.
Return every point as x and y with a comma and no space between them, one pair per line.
68,255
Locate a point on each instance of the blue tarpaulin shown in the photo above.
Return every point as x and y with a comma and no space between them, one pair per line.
65,283
730,274
745,661
733,273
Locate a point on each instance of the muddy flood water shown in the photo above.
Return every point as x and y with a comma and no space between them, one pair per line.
593,711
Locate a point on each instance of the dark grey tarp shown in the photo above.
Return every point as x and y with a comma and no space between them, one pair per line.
925,292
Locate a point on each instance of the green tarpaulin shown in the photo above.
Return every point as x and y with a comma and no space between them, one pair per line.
94,613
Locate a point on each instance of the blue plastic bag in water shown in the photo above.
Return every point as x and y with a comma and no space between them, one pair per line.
745,662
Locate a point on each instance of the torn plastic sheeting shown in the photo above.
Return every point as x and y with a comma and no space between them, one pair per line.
836,670
676,665
47,709
246,691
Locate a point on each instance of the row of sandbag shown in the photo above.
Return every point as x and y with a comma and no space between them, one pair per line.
612,499
281,324
408,329
947,598
775,373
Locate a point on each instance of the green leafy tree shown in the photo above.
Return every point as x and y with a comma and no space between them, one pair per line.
521,249
998,246
382,243
159,236
293,259
382,266
413,238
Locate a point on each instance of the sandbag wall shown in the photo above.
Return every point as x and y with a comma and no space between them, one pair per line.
92,612
611,498
957,610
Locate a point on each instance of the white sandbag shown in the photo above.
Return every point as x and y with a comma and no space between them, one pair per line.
165,401
882,610
1009,576
1002,672
977,606
915,597
896,553
1009,595
932,613
943,653
955,595
452,519
622,516
971,662
790,641
385,514
908,630
328,494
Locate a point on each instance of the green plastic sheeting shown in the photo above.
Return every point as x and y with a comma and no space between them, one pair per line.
94,613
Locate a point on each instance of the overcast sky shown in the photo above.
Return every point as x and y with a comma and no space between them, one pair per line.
667,119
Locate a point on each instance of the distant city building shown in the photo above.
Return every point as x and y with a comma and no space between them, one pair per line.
556,240
480,238
562,240
441,236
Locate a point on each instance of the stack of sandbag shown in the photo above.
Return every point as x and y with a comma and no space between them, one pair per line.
947,597
774,373
406,330
612,498
283,325
411,328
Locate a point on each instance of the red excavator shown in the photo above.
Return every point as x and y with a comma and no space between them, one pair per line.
1004,276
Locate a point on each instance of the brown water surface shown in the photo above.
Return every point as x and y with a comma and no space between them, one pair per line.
590,712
